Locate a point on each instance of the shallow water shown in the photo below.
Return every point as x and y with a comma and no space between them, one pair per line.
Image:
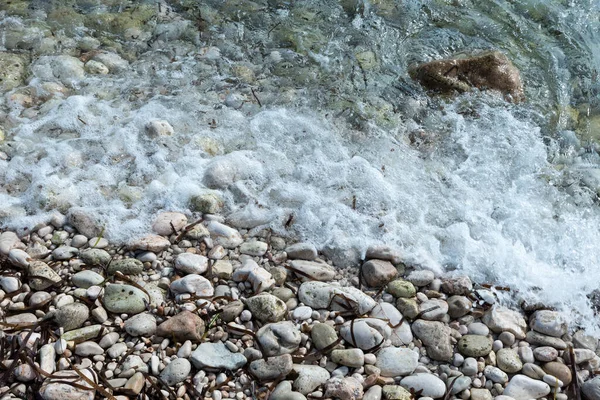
305,109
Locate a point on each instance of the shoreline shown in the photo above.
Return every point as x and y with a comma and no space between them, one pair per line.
199,310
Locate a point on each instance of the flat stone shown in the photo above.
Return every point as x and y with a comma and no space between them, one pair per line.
224,235
116,350
167,223
272,368
323,335
481,394
216,356
71,316
254,248
321,295
183,326
283,391
373,393
344,388
383,252
191,263
401,334
421,278
309,377
259,278
319,271
396,361
141,325
460,285
500,319
365,333
192,284
474,345
176,371
266,307
64,253
301,251
153,243
436,338
95,257
548,322
396,392
591,388
378,273
53,390
135,383
127,266
222,269
82,334
231,311
495,374
124,299
438,307
85,279
86,349
545,353
41,276
401,288
431,385
354,358
522,387
539,339
585,341
559,370
459,383
278,338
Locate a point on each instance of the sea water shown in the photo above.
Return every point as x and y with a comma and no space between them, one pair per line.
301,117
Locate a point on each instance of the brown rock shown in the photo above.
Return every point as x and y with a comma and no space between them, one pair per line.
559,370
492,70
184,326
377,273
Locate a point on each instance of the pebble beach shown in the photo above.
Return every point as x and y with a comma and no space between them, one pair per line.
201,310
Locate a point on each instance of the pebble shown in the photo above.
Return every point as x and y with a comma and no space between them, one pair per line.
109,339
344,388
420,278
459,306
191,263
71,316
354,358
88,349
260,279
301,251
365,333
311,270
116,350
95,257
500,319
183,326
216,355
279,338
167,223
192,284
475,345
401,288
396,392
522,387
539,339
378,273
176,371
545,353
322,295
559,370
82,334
436,336
254,248
394,361
429,384
127,266
52,390
323,335
267,308
224,235
477,328
153,243
548,322
87,278
439,308
124,299
591,388
47,276
302,313
495,374
272,368
141,325
508,361
309,377
135,383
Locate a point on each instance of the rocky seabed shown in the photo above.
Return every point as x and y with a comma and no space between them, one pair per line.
202,310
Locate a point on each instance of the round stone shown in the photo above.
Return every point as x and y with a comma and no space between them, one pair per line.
141,325
396,361
323,335
475,346
124,299
177,371
508,361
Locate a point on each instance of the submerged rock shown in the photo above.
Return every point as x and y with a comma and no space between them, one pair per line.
491,70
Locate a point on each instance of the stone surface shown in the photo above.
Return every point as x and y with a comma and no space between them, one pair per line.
41,276
460,285
71,316
474,345
126,299
192,284
191,263
266,307
401,334
141,325
259,278
87,278
167,223
548,322
420,278
591,388
183,326
153,243
500,319
508,361
323,335
539,339
321,295
378,273
490,70
278,338
311,270
344,388
95,257
216,356
127,266
176,371
559,370
82,334
396,392
354,358
272,368
396,361
309,377
522,387
52,389
436,337
401,288
301,251
431,385
365,333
